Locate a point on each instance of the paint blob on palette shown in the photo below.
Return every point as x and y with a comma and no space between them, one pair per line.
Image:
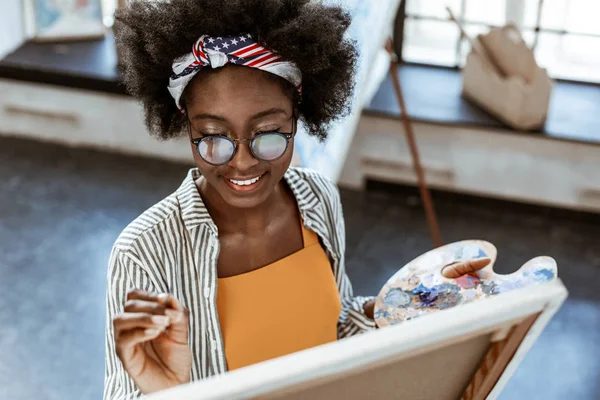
420,288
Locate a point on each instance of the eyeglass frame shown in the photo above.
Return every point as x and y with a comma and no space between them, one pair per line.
287,136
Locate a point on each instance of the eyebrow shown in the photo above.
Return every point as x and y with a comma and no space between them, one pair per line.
256,116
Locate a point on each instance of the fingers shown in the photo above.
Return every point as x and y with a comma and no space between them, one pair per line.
135,336
131,329
460,268
175,311
126,321
139,294
141,301
141,306
148,316
170,301
142,311
165,299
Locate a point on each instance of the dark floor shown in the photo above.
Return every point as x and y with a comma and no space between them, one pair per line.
61,210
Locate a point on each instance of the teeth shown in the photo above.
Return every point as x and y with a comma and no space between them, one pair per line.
245,183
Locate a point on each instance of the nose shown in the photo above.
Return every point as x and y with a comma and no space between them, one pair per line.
243,160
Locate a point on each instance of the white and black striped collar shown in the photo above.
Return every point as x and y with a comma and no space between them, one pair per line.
193,210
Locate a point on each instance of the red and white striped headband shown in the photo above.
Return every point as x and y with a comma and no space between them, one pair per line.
218,51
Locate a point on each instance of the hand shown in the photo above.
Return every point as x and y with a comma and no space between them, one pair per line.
369,308
151,339
459,268
453,270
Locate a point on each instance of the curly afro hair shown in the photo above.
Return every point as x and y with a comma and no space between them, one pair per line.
151,35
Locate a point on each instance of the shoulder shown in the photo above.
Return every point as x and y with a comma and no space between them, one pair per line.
322,187
151,224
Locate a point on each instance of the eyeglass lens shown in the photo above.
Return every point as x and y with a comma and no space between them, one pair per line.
219,149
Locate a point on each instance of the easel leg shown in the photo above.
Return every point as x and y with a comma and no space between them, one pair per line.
495,361
412,144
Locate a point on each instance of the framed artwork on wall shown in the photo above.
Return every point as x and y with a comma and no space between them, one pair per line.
61,20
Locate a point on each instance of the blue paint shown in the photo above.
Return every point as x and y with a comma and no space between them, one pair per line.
481,254
397,298
544,275
427,295
448,288
420,289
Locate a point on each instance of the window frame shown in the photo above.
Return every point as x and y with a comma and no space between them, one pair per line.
402,16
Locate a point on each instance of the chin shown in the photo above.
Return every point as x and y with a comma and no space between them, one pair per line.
246,202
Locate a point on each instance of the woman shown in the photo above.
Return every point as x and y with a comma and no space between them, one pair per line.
236,77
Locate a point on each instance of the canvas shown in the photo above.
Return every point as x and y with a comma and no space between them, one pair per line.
446,348
67,19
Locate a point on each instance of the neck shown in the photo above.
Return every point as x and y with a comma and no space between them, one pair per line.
242,220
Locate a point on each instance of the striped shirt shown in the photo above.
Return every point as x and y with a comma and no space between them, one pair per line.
174,246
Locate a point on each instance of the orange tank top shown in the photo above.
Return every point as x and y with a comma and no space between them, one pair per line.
288,306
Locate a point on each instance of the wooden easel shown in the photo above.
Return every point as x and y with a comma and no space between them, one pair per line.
414,151
496,360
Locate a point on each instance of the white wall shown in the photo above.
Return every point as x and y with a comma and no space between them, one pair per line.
483,162
11,26
77,117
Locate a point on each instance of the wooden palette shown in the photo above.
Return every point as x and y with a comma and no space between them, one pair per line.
419,287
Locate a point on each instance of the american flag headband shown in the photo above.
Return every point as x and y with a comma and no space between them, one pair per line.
219,51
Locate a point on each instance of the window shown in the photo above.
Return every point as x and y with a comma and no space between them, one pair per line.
564,34
108,10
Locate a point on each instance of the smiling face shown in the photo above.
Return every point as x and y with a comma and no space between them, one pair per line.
240,103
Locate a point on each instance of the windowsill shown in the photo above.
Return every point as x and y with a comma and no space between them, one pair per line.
90,64
433,95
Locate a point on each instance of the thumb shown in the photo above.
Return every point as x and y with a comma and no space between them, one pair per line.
460,268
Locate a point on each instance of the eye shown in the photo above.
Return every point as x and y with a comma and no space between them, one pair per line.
274,130
211,134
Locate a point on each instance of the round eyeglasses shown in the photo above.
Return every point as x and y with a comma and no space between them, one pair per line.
267,146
